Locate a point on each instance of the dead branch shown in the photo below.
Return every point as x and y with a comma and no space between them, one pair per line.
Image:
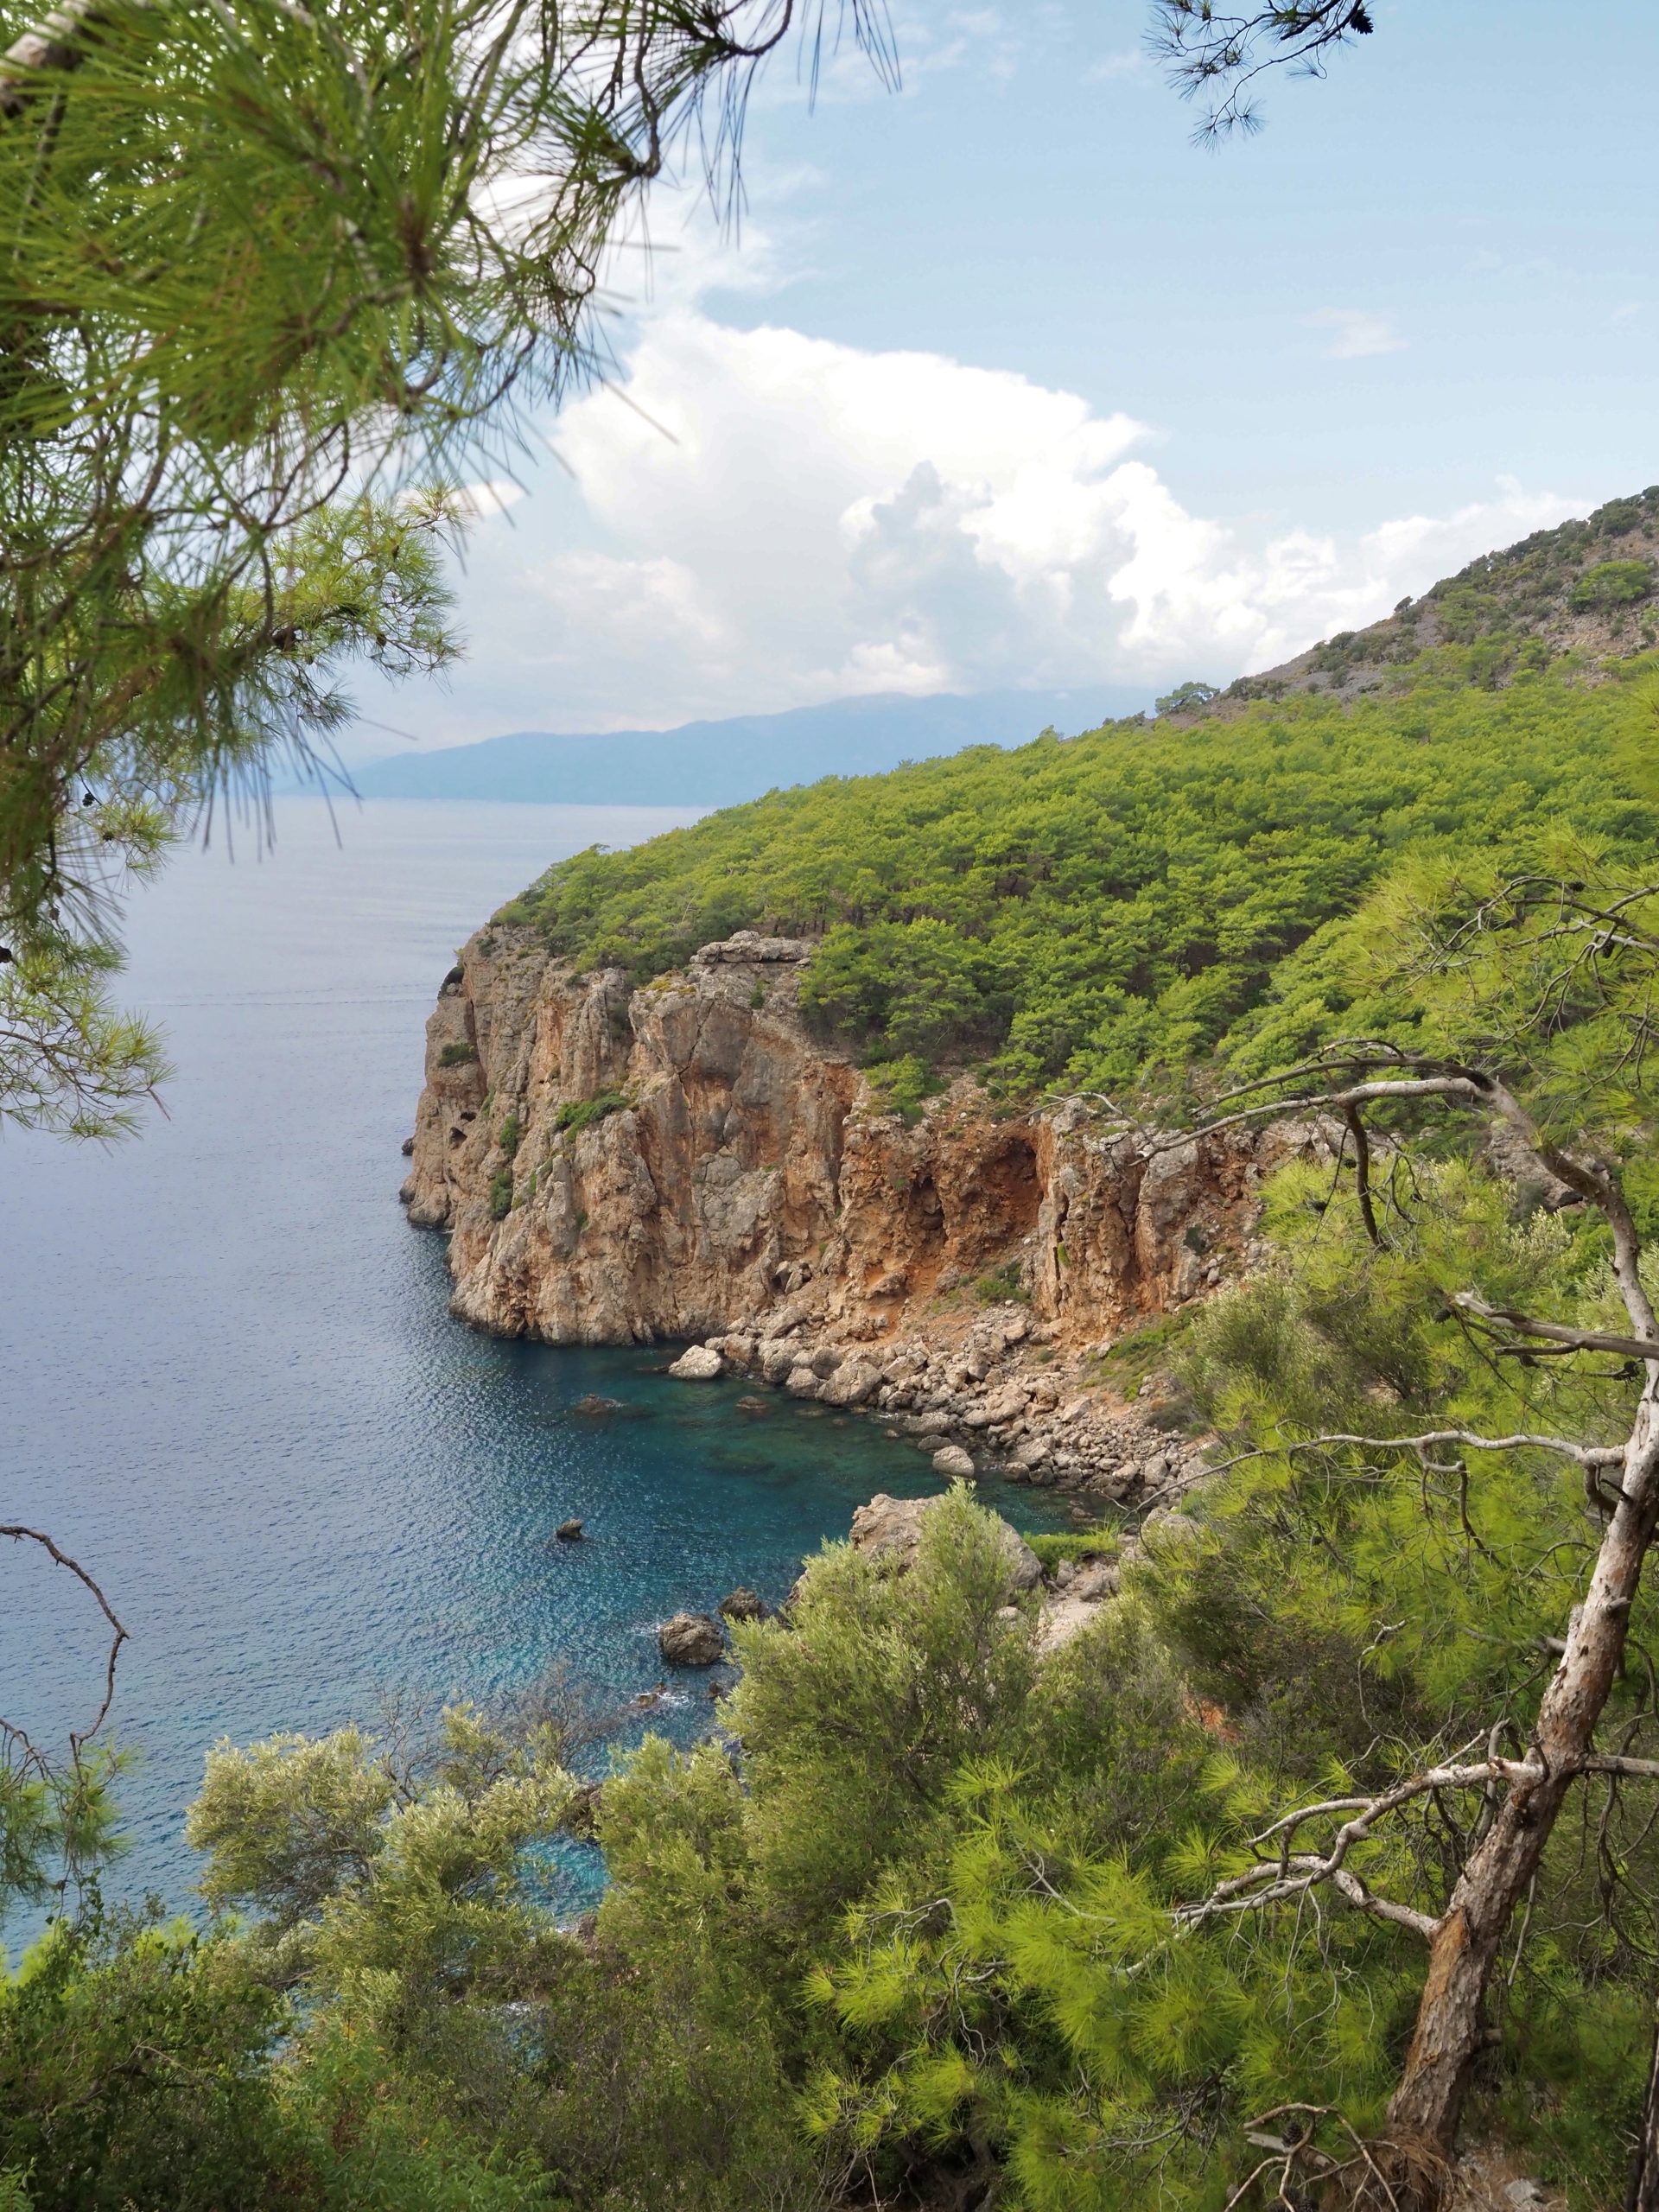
77,1739
1582,1455
1557,1332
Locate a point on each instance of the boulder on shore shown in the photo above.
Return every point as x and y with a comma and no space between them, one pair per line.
852,1383
691,1640
701,1364
891,1527
953,1461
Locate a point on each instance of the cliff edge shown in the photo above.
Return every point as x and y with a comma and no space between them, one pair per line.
620,1165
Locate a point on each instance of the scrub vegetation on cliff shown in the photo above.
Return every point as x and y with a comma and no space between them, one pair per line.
1083,911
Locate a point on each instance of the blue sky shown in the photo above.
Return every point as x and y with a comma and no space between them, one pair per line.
1005,382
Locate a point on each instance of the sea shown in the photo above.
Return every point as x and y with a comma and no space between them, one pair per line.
233,1392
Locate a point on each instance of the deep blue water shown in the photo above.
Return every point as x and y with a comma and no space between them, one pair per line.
232,1390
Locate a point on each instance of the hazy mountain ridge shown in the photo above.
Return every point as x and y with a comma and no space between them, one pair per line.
721,763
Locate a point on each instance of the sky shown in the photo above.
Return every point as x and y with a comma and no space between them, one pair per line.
1005,383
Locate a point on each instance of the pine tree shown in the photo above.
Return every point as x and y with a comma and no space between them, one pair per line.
264,271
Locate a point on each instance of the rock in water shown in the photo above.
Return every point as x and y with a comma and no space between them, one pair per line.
691,1640
593,1406
568,1532
701,1364
953,1461
743,1605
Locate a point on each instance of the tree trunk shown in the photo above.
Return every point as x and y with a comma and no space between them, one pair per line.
1644,2195
1450,2030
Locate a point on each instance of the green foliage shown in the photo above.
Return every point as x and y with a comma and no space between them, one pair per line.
1144,1353
1614,583
1186,697
1002,1286
857,1715
457,1056
509,1135
1052,1545
59,1824
576,1114
1084,912
147,2067
134,2072
501,1194
903,1086
370,1877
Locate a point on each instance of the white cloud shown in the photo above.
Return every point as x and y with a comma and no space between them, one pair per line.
475,503
758,518
1355,333
1134,62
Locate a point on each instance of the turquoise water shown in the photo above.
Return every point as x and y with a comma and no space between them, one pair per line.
232,1390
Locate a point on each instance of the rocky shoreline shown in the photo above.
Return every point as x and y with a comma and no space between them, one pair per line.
691,1159
993,1393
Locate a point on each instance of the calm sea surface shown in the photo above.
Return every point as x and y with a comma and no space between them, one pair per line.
233,1391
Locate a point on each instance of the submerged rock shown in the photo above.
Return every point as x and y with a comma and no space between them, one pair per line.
691,1640
593,1406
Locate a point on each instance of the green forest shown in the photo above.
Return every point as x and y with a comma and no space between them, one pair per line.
1086,912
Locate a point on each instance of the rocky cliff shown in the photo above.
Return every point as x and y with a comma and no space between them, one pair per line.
617,1164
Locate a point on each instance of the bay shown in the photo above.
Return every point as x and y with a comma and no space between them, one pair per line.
232,1390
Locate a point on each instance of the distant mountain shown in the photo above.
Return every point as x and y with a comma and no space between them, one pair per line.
718,763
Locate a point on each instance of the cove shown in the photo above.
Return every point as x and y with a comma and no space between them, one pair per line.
233,1392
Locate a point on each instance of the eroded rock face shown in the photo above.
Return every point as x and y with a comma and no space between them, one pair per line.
619,1165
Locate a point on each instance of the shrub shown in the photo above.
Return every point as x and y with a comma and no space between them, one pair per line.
1002,1285
457,1056
900,1086
579,1113
1054,1545
501,1194
512,1131
1614,583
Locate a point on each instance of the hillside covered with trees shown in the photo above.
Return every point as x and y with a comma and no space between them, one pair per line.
1082,912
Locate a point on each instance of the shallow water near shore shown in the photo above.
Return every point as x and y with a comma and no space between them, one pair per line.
233,1392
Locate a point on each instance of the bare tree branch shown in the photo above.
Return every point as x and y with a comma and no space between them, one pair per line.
77,1739
1556,1331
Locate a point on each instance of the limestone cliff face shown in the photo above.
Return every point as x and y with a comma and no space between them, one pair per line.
617,1165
